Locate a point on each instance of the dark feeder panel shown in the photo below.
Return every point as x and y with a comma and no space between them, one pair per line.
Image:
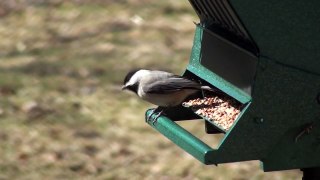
265,55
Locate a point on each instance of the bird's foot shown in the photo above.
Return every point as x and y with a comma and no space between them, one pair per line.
158,111
150,115
156,118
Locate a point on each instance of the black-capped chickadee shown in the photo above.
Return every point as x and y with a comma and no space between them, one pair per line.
161,88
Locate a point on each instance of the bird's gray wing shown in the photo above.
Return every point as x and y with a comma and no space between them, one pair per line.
170,85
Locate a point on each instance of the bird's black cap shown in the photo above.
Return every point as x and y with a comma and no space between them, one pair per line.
129,75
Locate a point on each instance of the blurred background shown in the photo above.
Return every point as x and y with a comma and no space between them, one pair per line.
62,114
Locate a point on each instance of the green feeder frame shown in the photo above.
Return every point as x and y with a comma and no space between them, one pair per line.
264,54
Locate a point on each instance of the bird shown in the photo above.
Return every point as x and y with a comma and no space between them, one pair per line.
161,88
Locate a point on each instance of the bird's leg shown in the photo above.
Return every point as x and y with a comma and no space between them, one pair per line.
154,111
202,91
159,110
149,116
158,115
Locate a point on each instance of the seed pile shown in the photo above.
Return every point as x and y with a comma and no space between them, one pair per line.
222,111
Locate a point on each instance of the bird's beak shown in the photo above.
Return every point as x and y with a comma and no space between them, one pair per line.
123,87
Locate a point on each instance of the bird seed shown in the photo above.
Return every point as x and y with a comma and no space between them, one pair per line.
222,111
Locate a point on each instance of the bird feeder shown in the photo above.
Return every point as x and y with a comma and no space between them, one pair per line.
265,56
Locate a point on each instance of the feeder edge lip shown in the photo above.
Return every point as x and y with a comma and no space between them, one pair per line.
197,148
226,87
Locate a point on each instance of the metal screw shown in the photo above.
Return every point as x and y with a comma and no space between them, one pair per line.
259,120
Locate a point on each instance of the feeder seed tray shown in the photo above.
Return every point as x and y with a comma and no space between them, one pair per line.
221,111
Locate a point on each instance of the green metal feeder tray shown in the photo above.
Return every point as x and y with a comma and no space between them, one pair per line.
265,55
